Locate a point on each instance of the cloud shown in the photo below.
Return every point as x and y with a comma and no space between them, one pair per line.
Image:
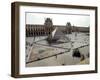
58,19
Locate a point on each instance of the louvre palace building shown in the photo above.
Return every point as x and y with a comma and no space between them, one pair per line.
48,27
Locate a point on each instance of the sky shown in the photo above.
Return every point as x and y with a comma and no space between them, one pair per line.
58,19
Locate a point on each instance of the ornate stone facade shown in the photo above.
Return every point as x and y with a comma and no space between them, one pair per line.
48,27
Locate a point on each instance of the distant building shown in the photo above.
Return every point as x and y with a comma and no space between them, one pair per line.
48,27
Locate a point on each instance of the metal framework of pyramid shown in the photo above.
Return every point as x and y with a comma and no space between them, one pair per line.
57,35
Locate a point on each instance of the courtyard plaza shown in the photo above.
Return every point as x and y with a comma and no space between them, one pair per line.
40,53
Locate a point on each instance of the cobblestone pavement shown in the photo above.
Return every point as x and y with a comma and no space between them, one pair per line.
40,53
